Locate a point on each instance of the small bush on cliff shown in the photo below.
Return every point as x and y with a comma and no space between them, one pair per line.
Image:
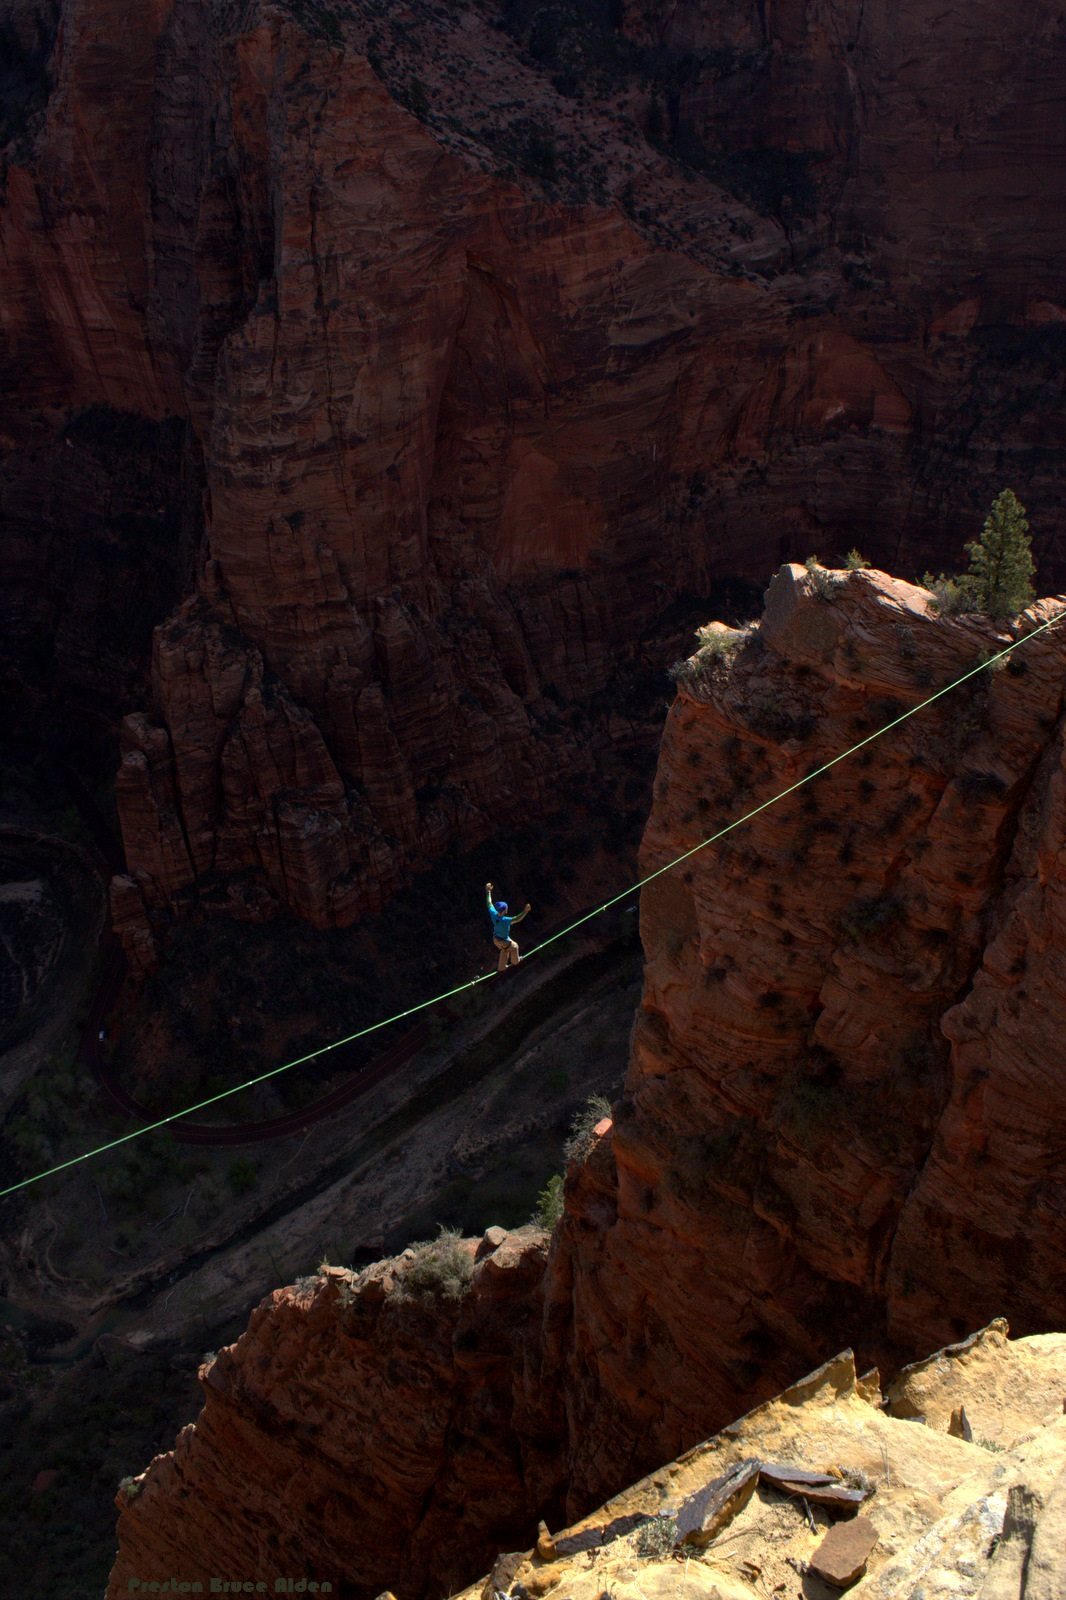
870,915
442,1268
952,596
855,561
717,643
549,1210
769,716
978,787
825,584
539,158
583,1127
657,1537
416,97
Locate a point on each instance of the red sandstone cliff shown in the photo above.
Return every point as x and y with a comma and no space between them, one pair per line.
443,368
379,1429
842,1107
841,1121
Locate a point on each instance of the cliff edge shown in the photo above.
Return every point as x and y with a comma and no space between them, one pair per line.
835,1486
842,1098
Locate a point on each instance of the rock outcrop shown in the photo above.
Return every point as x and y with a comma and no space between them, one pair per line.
457,351
819,1132
942,1517
823,1117
383,1402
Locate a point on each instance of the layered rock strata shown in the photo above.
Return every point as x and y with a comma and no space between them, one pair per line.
366,1405
842,1098
451,345
841,1117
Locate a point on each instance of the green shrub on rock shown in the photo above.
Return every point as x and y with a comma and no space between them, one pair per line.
656,1539
717,643
825,584
583,1127
952,596
442,1268
550,1204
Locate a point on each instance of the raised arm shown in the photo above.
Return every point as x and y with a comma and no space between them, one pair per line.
488,900
521,914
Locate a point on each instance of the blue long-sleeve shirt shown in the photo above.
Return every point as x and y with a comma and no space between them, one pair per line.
501,924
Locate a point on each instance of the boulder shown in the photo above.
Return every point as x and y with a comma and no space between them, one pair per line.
842,1555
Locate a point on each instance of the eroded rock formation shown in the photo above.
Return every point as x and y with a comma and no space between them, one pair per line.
440,351
383,1404
841,1118
815,1093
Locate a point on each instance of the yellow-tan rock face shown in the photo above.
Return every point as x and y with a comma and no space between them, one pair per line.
948,1519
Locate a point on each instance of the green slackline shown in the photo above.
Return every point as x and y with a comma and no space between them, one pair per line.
422,1005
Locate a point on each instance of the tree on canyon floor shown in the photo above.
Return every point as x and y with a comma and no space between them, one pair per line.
1001,566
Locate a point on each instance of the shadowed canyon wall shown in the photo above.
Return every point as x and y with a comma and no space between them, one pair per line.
842,1122
431,353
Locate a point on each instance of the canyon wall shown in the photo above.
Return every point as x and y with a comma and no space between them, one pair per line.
382,1431
841,1120
841,1108
403,370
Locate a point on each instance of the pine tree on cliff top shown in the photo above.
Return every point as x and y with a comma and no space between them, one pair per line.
1001,561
